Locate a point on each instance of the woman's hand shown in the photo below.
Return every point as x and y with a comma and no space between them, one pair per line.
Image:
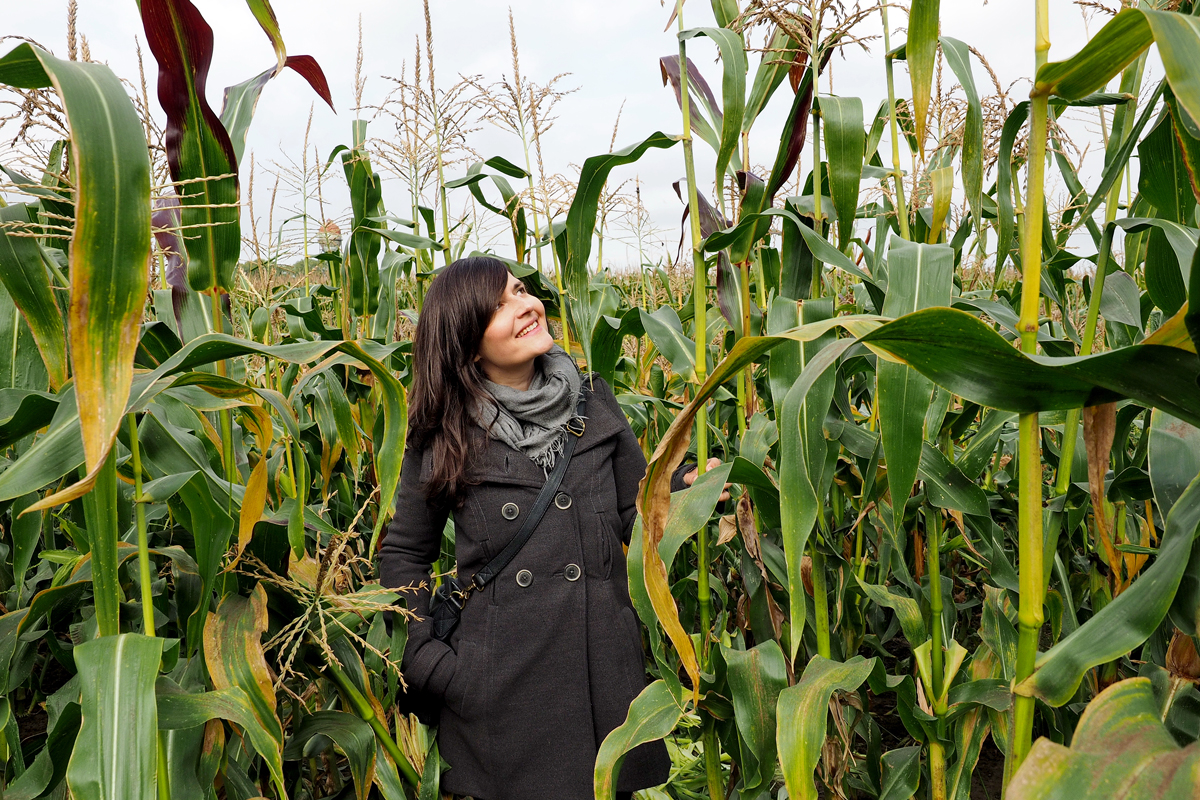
714,462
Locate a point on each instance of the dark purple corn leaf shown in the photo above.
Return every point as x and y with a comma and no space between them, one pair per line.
199,151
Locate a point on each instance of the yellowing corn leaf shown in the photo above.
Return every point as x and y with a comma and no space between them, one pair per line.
1120,750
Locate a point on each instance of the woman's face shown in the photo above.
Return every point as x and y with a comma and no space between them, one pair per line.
517,334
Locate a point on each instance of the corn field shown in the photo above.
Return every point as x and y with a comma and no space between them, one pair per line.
961,419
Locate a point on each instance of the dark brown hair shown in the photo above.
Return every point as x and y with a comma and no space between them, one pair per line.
447,381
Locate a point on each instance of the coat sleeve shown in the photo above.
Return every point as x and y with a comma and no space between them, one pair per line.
412,544
629,463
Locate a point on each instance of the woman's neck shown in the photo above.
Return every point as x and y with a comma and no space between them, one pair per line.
516,377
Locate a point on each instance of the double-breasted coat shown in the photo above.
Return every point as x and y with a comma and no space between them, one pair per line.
548,657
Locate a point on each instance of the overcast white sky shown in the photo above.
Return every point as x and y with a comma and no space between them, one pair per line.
610,47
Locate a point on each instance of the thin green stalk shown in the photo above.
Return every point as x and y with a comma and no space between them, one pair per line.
1031,578
164,775
143,540
815,291
100,514
364,710
933,536
437,132
937,753
700,315
897,174
745,377
937,770
712,751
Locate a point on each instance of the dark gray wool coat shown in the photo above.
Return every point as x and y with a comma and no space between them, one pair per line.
536,675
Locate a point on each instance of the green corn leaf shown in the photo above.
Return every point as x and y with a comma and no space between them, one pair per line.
1189,142
653,714
908,612
845,140
733,88
785,364
387,777
802,712
180,712
1007,220
241,99
116,754
947,486
262,11
666,332
919,276
1174,458
1165,183
804,451
1120,750
366,199
24,274
50,765
756,677
1112,49
23,411
692,509
352,735
1117,158
26,532
901,773
431,775
111,240
820,246
958,56
409,239
961,353
921,50
1118,43
56,453
1128,620
773,67
576,245
24,367
654,496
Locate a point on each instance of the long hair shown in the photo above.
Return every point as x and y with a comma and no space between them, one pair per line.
447,381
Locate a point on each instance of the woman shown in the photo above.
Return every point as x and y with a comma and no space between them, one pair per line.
548,657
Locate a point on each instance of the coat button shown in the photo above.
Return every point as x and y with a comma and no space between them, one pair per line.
524,578
509,511
562,500
571,572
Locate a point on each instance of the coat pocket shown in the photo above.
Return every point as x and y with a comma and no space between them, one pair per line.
463,684
610,540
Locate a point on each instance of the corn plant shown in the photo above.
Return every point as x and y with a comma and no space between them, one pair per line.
961,547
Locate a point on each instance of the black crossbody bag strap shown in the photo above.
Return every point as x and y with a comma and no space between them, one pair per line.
494,567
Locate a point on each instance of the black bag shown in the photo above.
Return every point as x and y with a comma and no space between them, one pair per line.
447,600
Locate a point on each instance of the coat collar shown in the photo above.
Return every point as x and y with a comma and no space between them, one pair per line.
500,463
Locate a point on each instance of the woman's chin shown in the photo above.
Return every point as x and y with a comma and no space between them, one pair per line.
543,342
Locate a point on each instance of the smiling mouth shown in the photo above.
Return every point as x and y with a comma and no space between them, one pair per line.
530,328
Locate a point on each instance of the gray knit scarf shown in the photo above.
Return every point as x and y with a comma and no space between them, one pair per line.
533,421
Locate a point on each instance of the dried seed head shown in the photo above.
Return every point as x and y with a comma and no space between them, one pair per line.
1182,659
